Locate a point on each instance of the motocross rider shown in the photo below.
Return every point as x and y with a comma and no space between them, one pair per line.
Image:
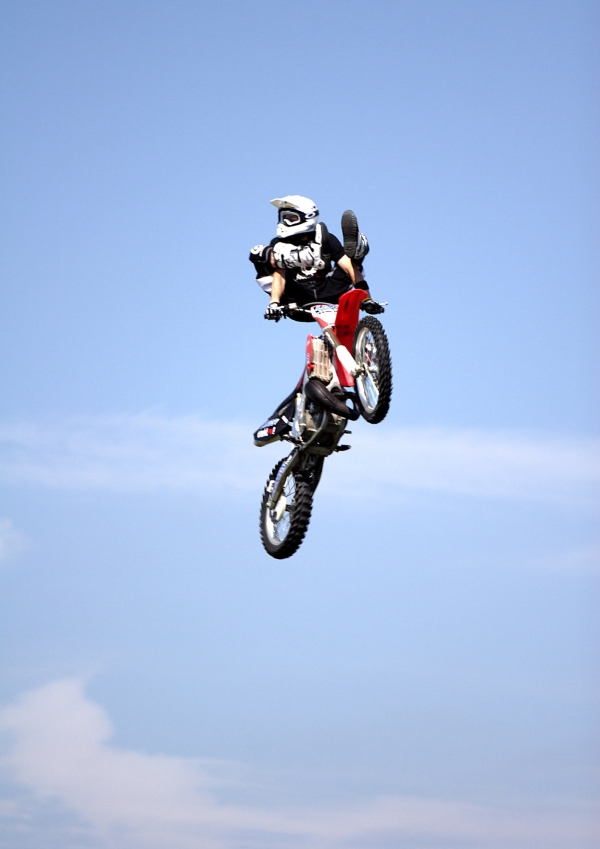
304,262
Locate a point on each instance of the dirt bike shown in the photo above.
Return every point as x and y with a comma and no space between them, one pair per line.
349,362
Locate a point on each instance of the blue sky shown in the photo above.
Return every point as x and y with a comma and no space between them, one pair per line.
419,675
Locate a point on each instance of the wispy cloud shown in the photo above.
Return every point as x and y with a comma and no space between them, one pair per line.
123,799
498,464
148,452
143,452
12,542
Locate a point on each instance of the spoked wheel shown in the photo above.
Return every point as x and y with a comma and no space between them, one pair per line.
374,387
283,528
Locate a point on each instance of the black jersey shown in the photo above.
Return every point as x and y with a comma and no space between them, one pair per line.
327,283
304,285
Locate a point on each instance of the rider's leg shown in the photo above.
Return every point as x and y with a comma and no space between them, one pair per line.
356,246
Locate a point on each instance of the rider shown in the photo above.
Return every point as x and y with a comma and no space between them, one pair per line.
305,262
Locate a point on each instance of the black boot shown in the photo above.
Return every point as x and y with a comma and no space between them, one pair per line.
356,245
350,233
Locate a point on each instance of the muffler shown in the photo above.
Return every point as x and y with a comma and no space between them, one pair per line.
320,394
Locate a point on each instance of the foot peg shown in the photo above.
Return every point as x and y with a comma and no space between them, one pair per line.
318,392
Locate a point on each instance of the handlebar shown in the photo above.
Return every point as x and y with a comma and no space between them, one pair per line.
303,312
297,313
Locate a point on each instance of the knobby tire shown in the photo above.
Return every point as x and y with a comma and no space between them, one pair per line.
384,358
300,513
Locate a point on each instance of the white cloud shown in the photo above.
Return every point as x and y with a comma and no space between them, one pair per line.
141,452
12,542
61,752
148,452
471,462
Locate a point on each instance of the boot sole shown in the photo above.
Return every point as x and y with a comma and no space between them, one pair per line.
350,232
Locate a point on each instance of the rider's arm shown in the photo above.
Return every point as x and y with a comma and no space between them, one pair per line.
277,286
346,264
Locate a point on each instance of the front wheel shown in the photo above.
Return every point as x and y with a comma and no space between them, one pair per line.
374,385
283,527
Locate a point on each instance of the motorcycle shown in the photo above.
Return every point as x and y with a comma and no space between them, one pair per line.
348,362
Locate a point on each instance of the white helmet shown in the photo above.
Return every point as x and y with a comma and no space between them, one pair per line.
296,215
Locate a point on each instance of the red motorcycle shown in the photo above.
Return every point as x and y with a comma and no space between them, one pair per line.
349,362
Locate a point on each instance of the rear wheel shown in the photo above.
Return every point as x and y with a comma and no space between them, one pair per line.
374,386
284,526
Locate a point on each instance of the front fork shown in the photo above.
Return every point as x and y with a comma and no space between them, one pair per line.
279,481
344,355
297,457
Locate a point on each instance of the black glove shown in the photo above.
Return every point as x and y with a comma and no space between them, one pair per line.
274,311
372,307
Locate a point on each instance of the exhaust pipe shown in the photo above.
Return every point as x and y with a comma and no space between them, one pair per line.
318,392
